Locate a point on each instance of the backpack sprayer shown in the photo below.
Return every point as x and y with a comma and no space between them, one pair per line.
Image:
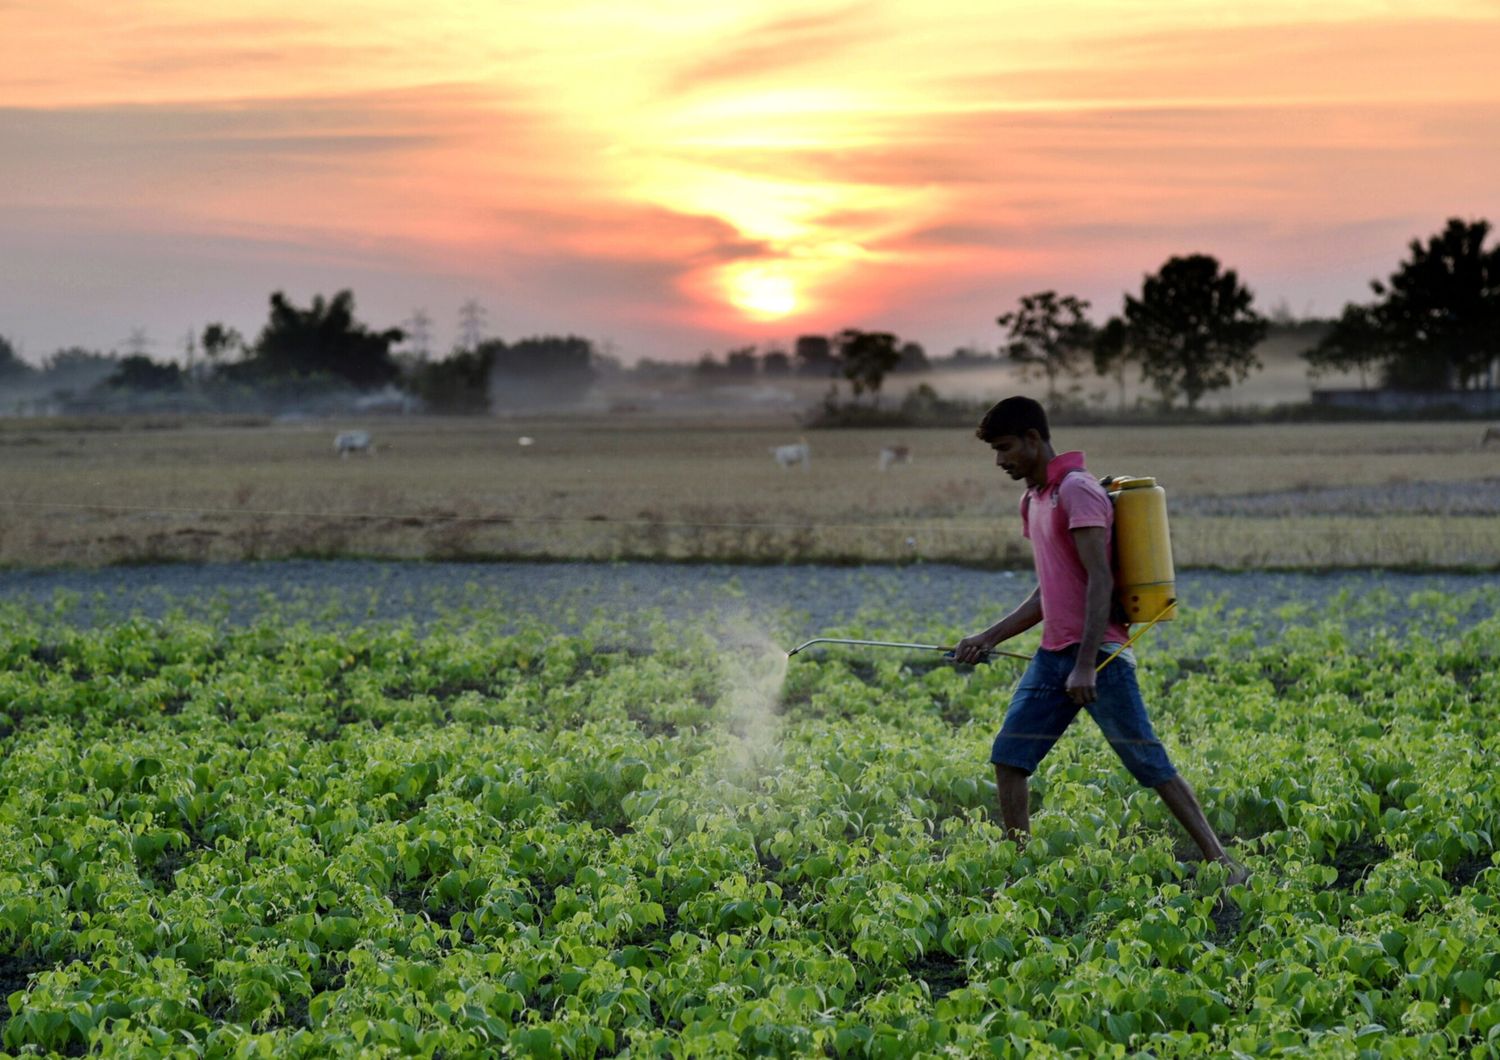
1145,581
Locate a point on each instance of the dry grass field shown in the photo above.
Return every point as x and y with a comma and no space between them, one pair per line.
1410,495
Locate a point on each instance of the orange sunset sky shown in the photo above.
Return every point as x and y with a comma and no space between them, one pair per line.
671,176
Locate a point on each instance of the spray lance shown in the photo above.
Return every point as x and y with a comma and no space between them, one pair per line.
1145,581
948,652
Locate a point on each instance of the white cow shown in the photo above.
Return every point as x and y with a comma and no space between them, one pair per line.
894,454
347,442
1491,434
787,455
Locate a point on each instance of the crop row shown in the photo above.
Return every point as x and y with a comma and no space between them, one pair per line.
278,840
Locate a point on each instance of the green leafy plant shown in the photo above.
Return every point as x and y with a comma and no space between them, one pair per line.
289,839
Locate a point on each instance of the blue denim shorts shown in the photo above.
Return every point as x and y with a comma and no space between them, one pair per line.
1040,711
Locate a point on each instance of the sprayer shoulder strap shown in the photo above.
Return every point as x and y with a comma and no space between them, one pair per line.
1057,491
1117,611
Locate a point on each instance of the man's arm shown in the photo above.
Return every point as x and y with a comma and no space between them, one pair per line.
1028,614
1093,550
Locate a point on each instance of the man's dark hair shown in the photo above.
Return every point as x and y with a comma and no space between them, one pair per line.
1013,416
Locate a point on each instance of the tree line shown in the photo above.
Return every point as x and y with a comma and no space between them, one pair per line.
1191,329
318,348
1434,324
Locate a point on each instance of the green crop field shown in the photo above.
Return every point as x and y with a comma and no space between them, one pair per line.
666,839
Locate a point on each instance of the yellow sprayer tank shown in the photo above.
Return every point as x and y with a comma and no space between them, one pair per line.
1147,586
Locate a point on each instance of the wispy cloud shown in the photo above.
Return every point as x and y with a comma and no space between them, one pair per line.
790,45
1411,59
888,159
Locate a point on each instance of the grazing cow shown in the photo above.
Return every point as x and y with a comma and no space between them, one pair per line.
894,454
348,442
525,440
1491,434
787,455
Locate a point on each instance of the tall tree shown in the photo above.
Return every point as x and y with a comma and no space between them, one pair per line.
741,361
76,368
323,340
1111,353
814,355
139,372
913,358
867,357
1355,343
542,370
562,357
457,385
1440,310
1048,334
11,365
1193,329
219,342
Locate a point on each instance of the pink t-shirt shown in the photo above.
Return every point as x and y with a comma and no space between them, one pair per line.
1065,503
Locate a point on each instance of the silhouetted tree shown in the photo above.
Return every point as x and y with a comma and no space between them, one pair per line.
1356,342
814,355
456,385
966,357
1440,310
1193,329
11,365
1111,352
913,358
867,356
220,342
139,372
649,368
541,370
76,368
563,357
741,361
775,362
322,340
1048,334
1435,322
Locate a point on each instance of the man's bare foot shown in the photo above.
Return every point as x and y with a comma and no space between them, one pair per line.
1226,914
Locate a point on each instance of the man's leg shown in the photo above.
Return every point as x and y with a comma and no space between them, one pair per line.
1014,796
1039,713
1180,799
1121,714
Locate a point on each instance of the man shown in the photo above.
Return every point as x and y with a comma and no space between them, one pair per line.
1069,518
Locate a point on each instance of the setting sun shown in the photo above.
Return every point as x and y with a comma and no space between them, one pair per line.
681,176
762,294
